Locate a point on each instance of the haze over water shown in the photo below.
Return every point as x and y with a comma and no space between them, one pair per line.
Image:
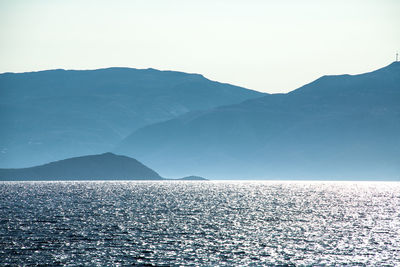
200,223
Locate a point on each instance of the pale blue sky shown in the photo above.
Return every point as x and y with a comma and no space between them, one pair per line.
271,46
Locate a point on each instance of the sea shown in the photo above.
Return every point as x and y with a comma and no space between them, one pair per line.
200,223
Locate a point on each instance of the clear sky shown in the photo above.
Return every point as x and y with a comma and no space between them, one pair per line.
270,46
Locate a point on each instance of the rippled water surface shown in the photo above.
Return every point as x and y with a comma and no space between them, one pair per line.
199,223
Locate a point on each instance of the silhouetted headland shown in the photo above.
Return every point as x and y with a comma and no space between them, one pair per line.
107,166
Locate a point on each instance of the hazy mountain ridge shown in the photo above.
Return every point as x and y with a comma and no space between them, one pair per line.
55,114
345,126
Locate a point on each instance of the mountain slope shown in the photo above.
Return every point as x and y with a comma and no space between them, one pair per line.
106,166
50,115
337,127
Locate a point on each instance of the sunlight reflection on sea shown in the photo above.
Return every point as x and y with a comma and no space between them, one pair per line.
200,223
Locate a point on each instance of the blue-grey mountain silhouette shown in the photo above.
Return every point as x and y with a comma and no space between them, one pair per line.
337,127
107,166
56,114
193,178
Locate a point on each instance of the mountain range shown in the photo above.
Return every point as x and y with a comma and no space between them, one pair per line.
56,114
337,127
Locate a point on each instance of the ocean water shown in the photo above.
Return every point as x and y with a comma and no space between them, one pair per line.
200,223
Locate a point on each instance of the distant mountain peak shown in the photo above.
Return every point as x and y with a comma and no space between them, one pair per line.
381,80
392,67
